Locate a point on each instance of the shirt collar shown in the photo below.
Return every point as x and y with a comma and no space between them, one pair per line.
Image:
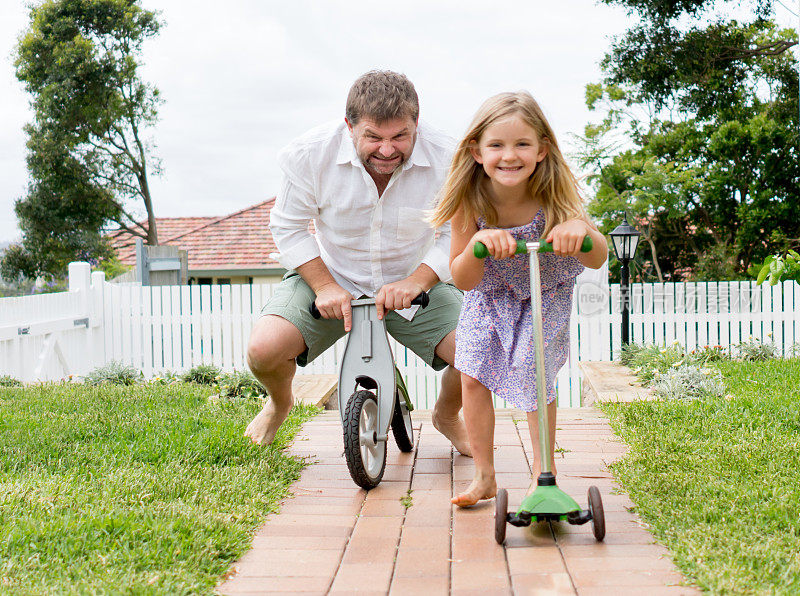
419,156
347,152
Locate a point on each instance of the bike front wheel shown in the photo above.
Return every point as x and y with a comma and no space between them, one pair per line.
365,454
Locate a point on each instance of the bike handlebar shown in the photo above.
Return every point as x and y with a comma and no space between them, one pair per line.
423,299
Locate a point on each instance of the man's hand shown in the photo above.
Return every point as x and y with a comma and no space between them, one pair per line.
333,302
397,295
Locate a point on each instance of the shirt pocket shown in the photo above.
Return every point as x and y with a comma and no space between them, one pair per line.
412,224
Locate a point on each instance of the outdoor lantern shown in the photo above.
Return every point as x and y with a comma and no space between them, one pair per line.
625,239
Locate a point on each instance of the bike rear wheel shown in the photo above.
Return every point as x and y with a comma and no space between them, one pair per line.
401,424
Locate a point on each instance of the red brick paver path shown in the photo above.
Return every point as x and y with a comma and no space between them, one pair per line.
333,537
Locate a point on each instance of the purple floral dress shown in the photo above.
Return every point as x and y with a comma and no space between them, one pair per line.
494,342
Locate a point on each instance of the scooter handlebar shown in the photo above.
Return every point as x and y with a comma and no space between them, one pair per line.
481,252
423,299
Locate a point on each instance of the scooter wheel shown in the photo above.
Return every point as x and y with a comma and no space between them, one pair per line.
598,517
365,455
401,424
500,515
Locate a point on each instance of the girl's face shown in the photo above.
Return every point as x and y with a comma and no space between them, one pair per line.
509,151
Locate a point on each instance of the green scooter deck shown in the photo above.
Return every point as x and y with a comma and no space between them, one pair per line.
548,502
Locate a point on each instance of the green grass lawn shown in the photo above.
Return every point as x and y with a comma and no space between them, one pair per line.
145,489
718,480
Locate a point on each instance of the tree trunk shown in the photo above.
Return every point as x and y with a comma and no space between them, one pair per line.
654,254
152,232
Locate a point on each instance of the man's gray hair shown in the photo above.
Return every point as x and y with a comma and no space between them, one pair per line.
382,95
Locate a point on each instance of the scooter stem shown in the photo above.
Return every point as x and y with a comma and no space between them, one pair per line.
538,348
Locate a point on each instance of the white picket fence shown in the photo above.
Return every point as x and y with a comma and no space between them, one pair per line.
173,328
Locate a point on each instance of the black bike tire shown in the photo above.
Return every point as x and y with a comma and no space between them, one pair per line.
404,440
352,448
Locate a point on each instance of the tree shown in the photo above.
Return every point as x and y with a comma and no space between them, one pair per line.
89,159
683,56
698,141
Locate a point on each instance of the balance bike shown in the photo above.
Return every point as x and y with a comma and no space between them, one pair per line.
379,396
547,502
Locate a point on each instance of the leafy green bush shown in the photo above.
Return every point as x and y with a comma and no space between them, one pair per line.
165,377
674,374
202,374
688,381
114,373
240,384
755,350
653,359
629,352
710,354
718,262
9,381
779,268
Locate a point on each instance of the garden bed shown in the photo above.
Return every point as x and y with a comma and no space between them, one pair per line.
715,477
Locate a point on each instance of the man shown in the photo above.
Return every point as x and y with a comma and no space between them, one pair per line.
366,183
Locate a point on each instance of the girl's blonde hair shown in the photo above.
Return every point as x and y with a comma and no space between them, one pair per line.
552,181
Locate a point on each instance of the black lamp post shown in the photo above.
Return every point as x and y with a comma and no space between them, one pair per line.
625,238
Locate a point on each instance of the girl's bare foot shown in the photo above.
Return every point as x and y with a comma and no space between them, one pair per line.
482,487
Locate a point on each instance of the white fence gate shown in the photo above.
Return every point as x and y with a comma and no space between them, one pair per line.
173,328
53,336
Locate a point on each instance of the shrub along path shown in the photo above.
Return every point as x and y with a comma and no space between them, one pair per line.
404,537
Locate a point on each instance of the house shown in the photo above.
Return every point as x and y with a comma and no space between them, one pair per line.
232,249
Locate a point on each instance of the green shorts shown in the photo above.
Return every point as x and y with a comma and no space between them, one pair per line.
421,335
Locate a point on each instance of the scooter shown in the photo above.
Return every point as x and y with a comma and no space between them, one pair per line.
379,396
547,502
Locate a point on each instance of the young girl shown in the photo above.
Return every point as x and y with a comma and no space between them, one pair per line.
509,180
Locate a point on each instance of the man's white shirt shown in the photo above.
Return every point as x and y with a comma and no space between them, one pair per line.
365,241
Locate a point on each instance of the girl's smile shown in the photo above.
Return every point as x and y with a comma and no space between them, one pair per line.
509,151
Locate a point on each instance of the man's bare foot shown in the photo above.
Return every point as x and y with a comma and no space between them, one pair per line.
481,487
455,430
263,428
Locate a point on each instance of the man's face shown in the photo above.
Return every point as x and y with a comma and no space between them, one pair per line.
384,147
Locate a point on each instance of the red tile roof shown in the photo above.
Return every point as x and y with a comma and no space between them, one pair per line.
241,240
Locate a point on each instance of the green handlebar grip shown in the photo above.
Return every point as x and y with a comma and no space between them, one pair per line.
481,252
586,246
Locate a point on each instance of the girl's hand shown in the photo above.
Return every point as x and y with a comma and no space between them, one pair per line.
568,236
499,243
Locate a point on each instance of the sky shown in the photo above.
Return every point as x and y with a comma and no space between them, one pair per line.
242,81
